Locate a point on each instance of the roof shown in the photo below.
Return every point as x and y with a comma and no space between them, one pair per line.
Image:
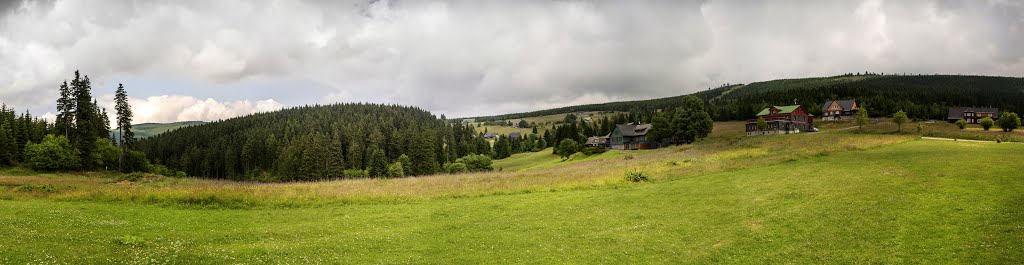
782,109
845,104
514,134
956,113
633,129
596,139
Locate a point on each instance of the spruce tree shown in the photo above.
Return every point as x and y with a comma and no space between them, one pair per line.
85,120
378,163
124,123
65,110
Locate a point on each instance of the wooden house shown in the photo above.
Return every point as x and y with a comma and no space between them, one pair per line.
782,120
972,115
631,137
834,110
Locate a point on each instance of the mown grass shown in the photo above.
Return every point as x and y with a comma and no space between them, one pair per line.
915,202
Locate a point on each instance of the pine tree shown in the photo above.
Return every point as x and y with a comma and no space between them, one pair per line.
124,123
378,163
85,120
65,110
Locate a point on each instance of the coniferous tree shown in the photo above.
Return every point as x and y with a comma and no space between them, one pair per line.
378,163
65,110
86,120
124,124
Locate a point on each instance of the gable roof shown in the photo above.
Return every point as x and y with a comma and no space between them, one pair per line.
633,129
956,113
845,104
782,109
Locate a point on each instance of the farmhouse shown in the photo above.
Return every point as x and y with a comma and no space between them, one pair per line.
834,110
971,114
782,120
630,137
599,141
491,135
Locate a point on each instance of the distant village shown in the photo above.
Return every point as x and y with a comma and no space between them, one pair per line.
773,120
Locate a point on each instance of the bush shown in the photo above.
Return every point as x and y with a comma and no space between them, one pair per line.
36,188
1009,121
396,170
106,154
593,150
986,123
53,153
475,163
135,161
961,123
455,168
636,176
133,177
355,173
567,147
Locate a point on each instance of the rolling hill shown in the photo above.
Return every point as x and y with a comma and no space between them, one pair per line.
146,130
921,96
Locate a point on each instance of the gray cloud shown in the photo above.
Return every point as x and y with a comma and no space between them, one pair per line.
487,57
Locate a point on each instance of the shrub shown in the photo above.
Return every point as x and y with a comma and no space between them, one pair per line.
36,188
987,123
396,170
920,127
53,153
135,161
133,177
567,147
636,176
355,173
899,118
455,168
1009,121
629,157
961,123
593,150
476,163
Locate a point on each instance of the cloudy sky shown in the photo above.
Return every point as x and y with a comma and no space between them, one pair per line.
207,60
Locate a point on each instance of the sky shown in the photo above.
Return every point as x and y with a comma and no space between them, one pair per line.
210,60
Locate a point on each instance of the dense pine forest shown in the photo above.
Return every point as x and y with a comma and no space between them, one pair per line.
318,142
921,96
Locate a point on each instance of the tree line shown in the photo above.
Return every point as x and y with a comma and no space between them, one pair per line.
79,138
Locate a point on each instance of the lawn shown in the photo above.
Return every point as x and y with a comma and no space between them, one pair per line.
920,202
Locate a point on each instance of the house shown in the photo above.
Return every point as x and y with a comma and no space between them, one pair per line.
490,135
631,137
599,141
515,135
468,121
971,114
782,120
834,110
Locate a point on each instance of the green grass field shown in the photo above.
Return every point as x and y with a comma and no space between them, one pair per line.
830,197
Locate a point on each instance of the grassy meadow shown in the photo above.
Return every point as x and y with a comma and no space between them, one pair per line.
838,196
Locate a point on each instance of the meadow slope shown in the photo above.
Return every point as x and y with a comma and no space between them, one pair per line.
836,196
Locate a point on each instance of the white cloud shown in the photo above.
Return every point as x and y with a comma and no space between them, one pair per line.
171,108
487,57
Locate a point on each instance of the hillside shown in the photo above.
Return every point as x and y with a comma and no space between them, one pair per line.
145,130
729,199
921,96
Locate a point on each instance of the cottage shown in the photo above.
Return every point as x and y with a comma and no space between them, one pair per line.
782,120
972,115
834,110
599,141
490,135
631,137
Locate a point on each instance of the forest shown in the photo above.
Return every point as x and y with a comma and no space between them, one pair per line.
921,96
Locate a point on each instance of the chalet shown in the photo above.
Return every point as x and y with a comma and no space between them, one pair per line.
490,135
631,137
834,110
599,141
782,120
971,114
